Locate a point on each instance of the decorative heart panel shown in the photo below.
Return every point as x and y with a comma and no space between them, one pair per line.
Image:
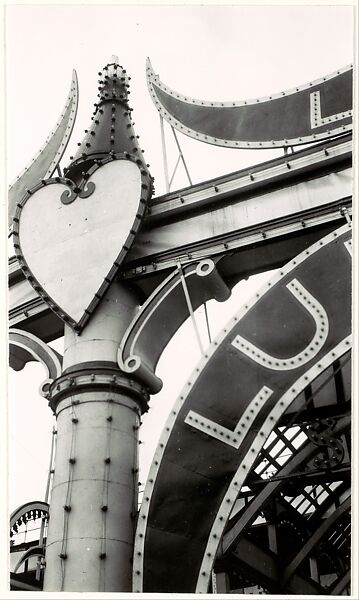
70,241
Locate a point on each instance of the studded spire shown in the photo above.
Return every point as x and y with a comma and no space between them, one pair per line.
111,131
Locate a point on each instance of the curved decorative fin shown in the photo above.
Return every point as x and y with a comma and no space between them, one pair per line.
47,158
307,113
26,347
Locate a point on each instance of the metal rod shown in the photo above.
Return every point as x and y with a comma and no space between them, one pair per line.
207,322
58,168
47,492
175,169
181,155
341,471
190,308
164,154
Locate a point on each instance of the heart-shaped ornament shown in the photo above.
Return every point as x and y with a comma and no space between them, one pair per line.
70,242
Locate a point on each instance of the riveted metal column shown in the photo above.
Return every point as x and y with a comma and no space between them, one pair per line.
94,497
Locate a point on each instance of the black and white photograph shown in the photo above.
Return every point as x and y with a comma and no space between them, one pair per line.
180,311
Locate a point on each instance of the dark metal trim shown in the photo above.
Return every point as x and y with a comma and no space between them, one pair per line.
98,365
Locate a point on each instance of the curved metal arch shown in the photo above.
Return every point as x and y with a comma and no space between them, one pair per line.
44,163
26,509
151,523
32,552
26,347
240,476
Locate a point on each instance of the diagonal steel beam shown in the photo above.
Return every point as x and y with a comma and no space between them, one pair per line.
231,538
314,540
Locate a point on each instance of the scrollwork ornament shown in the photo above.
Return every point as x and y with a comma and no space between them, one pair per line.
68,196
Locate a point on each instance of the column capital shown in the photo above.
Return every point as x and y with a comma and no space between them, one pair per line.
97,376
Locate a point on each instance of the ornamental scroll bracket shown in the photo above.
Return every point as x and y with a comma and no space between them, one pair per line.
162,315
26,347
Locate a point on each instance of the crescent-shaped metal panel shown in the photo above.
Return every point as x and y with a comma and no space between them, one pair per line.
311,112
25,347
279,342
47,158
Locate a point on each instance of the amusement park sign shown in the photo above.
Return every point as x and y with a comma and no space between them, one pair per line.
278,343
73,234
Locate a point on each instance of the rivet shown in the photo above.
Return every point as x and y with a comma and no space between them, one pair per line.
67,508
72,461
104,508
102,555
107,460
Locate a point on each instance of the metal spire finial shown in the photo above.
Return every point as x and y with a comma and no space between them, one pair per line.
111,131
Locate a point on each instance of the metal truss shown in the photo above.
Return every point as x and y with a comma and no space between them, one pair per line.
289,532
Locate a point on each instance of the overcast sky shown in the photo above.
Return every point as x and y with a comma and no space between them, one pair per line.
207,52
